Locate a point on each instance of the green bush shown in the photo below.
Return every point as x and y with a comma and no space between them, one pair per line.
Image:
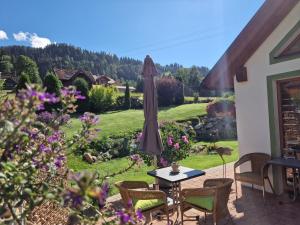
102,98
53,86
135,102
223,106
82,86
24,79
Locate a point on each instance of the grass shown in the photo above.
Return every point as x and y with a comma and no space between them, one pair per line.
196,161
114,123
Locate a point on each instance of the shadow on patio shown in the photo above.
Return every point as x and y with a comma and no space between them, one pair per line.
249,208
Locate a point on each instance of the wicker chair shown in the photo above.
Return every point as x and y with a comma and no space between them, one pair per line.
257,175
212,198
143,197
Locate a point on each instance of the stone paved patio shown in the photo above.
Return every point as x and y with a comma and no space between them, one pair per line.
248,209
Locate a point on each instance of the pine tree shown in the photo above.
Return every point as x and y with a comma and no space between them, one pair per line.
28,66
24,79
82,86
52,83
127,103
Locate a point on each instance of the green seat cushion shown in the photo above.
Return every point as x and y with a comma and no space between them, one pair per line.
202,202
147,204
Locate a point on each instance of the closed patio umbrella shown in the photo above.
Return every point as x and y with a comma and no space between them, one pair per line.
150,141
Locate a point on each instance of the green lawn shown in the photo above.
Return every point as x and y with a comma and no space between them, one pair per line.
197,161
112,123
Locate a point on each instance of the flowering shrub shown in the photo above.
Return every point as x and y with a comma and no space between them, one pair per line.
33,154
175,141
176,144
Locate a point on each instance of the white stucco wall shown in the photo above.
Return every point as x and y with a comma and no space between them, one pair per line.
251,96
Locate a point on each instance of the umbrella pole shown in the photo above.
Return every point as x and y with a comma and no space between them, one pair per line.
156,185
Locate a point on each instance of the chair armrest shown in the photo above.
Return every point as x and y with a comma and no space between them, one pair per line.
132,184
198,192
264,170
242,160
217,182
147,194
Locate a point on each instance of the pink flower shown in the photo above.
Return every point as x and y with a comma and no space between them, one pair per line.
170,141
177,146
185,139
139,137
163,162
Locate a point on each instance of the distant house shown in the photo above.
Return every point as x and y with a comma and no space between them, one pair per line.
67,77
263,67
10,82
104,80
123,88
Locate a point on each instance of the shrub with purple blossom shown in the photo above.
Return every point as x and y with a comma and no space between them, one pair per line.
33,155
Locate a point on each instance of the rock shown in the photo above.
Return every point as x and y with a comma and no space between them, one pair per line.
89,158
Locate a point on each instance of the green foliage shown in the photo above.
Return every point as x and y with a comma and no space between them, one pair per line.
70,57
52,83
127,103
82,86
24,79
6,65
102,98
169,91
27,65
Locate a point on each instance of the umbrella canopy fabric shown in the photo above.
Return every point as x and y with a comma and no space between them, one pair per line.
150,141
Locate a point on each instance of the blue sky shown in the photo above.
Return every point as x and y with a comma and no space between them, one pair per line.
189,32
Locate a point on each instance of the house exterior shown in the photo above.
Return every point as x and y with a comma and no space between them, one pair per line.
10,80
67,77
104,80
262,65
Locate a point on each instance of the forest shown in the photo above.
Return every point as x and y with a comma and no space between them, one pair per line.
120,68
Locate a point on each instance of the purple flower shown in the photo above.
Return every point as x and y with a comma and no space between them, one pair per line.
185,139
55,137
59,161
89,118
139,214
177,146
124,217
71,92
163,162
73,199
103,195
44,148
170,140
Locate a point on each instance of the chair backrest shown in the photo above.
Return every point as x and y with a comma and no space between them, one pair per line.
258,159
223,191
123,187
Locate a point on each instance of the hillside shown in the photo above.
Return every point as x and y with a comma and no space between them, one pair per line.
70,57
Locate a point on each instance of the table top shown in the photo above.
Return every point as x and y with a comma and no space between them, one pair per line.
185,173
290,163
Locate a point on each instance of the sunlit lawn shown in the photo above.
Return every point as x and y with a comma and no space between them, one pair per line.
196,161
113,123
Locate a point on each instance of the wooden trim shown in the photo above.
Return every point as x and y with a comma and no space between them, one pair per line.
264,22
275,54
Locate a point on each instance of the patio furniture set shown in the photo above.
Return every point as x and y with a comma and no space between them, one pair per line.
212,198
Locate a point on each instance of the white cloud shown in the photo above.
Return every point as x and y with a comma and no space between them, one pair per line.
21,36
3,35
39,42
34,40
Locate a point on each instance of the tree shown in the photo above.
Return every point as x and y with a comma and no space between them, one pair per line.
5,64
52,83
127,103
28,66
24,79
82,86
